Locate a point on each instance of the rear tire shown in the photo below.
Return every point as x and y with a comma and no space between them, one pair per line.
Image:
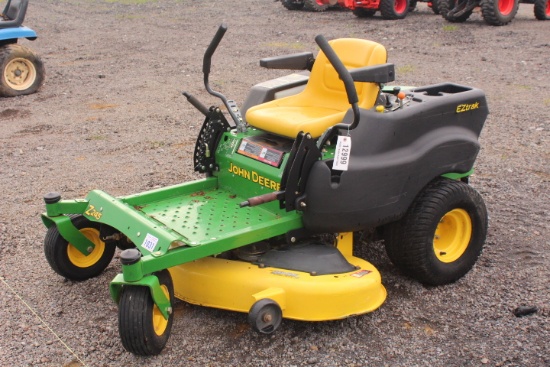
442,234
394,9
499,12
70,263
142,328
293,4
21,71
435,6
315,5
542,9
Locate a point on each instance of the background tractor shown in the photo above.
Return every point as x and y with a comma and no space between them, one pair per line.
389,9
494,12
21,70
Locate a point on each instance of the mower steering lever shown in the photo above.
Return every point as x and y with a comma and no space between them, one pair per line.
207,60
206,63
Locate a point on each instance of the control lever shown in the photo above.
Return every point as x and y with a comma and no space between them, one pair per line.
400,96
262,199
196,103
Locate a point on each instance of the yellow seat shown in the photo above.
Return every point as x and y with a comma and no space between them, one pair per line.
323,102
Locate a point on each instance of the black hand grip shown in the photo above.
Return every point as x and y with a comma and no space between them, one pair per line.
196,103
211,48
343,73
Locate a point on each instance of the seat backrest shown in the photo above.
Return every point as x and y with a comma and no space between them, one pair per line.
324,101
15,11
327,89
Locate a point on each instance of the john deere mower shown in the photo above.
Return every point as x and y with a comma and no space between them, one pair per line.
21,70
309,159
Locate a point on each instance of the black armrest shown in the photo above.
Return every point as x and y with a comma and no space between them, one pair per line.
383,73
299,61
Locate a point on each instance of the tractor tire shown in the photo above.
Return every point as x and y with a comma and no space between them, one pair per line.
542,9
499,12
444,6
315,5
394,9
21,71
142,328
442,234
434,4
70,263
293,4
363,12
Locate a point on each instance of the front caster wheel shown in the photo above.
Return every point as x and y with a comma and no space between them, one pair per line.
142,327
442,234
70,263
265,316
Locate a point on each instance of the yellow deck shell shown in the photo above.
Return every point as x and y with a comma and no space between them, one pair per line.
237,285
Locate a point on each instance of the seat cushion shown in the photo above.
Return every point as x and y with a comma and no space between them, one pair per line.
290,120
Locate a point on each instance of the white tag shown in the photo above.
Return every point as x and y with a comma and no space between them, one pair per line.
149,242
342,153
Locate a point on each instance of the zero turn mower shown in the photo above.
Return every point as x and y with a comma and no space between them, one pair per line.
308,160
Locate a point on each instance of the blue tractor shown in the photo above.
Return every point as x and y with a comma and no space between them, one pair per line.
21,70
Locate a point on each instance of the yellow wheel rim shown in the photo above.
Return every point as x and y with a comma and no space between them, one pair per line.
452,235
85,261
159,322
20,74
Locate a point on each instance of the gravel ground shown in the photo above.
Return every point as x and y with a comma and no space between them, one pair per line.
111,116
